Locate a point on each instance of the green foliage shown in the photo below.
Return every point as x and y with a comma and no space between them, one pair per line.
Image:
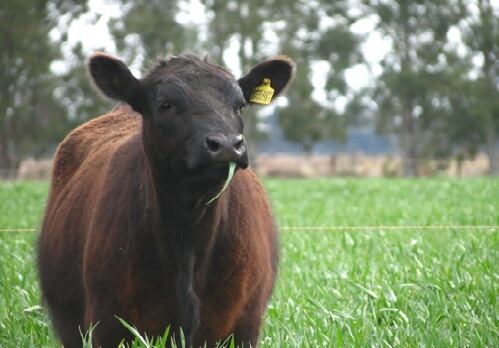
439,96
335,288
464,117
481,35
26,82
247,22
429,91
76,93
408,91
306,121
149,29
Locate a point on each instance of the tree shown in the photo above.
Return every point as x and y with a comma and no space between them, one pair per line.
453,130
76,93
480,28
239,20
149,30
26,82
405,92
306,121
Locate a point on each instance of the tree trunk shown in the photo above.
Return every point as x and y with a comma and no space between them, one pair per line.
459,167
6,163
408,144
491,148
408,134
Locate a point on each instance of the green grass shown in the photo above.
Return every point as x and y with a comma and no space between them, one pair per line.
363,288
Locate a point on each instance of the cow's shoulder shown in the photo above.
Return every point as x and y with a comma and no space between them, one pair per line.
91,141
246,189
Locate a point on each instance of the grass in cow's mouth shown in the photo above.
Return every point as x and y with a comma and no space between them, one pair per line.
230,172
336,288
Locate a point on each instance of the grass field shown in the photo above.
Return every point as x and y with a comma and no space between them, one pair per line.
350,288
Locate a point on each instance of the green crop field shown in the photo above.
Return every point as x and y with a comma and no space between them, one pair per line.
337,288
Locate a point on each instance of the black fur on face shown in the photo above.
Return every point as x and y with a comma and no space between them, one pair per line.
192,109
186,100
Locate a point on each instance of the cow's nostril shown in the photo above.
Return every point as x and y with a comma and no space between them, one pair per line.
212,144
239,144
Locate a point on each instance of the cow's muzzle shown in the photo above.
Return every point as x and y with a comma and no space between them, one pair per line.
227,148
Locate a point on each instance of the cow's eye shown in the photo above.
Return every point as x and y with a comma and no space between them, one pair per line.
165,106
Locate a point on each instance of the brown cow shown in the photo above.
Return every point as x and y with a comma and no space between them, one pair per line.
127,230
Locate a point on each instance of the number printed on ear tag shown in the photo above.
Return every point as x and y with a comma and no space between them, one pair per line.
263,93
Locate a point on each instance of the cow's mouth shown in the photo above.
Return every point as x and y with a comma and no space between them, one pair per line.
208,180
230,174
214,171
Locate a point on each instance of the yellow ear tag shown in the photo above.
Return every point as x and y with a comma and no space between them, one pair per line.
263,93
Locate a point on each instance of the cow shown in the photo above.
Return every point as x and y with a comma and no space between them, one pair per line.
132,229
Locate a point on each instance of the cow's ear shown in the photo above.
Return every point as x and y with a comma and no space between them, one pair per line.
275,73
113,78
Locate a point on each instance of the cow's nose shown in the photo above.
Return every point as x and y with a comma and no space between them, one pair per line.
227,148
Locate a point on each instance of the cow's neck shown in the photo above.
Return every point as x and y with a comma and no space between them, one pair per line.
175,208
177,203
185,234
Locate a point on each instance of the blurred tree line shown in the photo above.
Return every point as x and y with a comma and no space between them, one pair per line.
437,87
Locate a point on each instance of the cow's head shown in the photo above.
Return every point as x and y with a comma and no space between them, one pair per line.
191,109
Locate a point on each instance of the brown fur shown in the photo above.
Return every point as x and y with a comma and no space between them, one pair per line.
101,256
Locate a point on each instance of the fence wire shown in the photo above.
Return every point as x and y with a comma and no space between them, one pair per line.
343,228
